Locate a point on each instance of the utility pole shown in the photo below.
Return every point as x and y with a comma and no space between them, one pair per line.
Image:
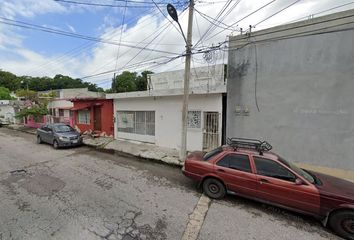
187,69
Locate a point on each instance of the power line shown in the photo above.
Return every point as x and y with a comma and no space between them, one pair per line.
243,18
281,10
121,31
178,30
164,27
227,13
201,51
147,4
319,31
157,35
217,24
69,34
317,13
304,25
76,51
226,5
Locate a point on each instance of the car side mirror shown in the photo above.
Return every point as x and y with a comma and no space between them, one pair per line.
298,181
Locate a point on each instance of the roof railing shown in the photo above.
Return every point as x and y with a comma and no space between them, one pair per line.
258,145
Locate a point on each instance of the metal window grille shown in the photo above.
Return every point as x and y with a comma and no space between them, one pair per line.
137,122
194,119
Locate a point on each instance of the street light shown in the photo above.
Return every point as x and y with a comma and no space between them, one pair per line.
173,13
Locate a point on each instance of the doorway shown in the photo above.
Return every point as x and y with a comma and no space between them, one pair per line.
211,130
97,118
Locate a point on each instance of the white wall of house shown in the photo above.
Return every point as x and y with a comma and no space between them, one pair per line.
79,93
199,77
60,104
7,112
168,118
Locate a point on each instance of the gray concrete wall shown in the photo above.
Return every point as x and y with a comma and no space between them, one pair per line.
304,86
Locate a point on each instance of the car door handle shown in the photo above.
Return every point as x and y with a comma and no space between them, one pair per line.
263,181
220,170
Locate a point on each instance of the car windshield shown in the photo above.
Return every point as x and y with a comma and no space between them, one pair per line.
298,170
63,128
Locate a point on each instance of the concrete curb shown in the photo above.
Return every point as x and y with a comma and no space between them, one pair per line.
18,129
127,154
101,148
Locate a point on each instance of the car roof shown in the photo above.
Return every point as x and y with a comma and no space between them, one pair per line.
252,152
58,124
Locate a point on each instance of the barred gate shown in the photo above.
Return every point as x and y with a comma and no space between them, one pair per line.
211,130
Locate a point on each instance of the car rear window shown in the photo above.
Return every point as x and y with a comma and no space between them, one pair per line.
212,153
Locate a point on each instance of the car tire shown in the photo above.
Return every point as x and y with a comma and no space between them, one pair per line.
214,188
342,222
55,144
39,139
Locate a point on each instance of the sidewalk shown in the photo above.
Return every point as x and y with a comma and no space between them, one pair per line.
143,150
138,149
21,128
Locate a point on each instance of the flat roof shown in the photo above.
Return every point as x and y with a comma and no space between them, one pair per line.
168,92
331,22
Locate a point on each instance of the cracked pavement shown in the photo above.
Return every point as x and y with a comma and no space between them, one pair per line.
80,193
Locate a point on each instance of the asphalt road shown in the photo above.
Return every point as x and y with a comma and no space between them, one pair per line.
84,194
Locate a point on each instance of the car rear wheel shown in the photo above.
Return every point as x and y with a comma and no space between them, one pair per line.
39,139
214,188
342,222
55,144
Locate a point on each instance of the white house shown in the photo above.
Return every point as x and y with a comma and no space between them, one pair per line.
154,115
59,106
8,110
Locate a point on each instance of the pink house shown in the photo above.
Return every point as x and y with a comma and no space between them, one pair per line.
32,123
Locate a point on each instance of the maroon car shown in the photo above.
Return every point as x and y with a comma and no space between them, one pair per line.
246,167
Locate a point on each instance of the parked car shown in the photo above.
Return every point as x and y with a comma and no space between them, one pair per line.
59,135
246,167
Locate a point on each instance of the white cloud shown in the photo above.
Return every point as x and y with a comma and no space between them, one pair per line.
29,8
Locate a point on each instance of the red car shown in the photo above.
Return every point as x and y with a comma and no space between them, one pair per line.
246,167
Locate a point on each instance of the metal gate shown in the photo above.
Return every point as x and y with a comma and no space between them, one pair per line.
211,130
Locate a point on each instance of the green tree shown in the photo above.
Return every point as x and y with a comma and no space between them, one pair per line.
9,81
36,111
28,94
5,94
124,82
141,81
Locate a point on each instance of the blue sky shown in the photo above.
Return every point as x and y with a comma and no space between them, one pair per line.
36,53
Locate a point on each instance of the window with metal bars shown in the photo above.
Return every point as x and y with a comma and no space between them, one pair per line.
137,122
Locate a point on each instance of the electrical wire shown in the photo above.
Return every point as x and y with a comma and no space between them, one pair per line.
104,5
223,9
277,12
178,30
318,13
68,34
123,67
121,32
227,13
163,28
77,50
319,31
243,18
207,17
256,76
